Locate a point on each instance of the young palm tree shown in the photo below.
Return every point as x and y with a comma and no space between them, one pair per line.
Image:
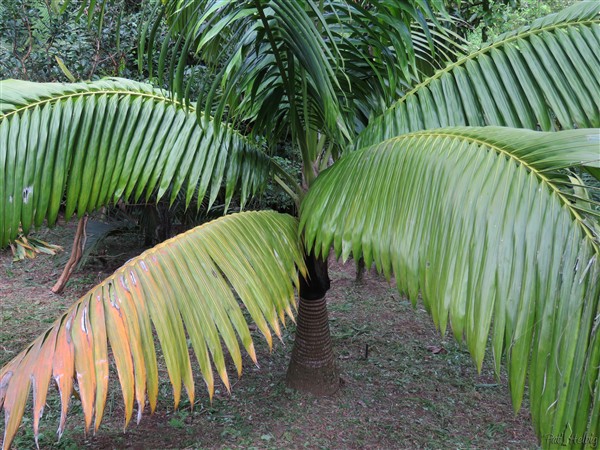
463,189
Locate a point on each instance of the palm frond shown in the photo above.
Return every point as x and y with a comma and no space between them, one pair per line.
184,287
90,144
545,76
483,224
386,47
270,45
301,63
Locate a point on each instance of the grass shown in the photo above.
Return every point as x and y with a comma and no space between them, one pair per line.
396,393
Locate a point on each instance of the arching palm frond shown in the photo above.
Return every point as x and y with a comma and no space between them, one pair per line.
90,144
386,47
486,226
270,45
545,76
253,255
309,62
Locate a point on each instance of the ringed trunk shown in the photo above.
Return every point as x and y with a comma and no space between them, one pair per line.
312,366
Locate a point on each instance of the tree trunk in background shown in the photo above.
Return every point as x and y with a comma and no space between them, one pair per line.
312,367
486,20
360,271
76,254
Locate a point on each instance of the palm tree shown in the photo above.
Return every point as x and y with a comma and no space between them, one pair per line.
470,190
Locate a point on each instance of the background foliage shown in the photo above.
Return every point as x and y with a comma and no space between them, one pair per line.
34,32
483,21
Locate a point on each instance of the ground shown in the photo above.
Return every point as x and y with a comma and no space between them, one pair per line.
403,385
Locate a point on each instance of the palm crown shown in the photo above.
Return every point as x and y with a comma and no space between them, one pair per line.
493,227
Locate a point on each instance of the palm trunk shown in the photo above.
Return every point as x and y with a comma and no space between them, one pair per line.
312,367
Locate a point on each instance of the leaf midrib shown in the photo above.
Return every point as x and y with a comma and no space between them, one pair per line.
503,151
126,92
190,107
